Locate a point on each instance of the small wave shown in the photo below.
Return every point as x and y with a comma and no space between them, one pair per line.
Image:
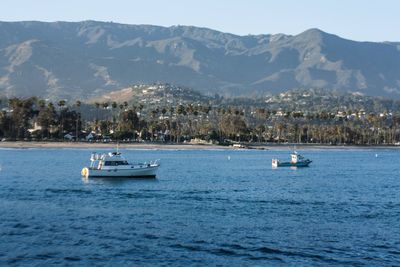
17,259
198,192
45,256
188,247
201,198
382,246
394,252
140,195
372,215
72,258
64,191
235,246
312,256
224,252
216,251
263,258
280,202
270,250
150,236
21,226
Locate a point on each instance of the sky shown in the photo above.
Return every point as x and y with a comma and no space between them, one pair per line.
361,20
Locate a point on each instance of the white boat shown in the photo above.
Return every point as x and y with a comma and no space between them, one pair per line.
297,161
114,165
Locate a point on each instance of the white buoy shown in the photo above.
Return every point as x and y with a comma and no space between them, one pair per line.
376,155
229,157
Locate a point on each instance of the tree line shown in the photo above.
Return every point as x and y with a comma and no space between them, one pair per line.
37,119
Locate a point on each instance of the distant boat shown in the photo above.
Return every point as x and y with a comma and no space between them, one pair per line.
114,165
297,161
239,146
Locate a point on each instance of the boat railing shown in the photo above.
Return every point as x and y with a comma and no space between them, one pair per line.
97,156
155,162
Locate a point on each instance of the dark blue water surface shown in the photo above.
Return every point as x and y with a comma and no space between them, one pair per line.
203,209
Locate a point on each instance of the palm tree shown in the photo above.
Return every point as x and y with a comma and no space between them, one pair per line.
61,104
78,117
97,105
163,111
114,106
171,111
42,105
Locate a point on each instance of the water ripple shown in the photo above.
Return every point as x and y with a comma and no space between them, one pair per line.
202,212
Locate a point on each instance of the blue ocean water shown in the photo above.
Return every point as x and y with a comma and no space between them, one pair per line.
208,207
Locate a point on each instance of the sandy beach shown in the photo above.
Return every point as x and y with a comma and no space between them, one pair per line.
185,146
20,144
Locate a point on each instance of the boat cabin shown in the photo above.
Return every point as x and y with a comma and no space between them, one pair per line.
98,161
296,158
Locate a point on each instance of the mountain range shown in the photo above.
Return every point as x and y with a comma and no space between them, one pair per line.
79,60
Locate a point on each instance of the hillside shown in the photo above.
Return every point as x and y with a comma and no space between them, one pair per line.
306,101
154,94
79,60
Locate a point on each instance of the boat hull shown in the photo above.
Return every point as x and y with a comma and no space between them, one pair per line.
289,164
147,172
276,163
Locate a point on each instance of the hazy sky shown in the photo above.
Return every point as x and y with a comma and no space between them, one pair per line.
364,20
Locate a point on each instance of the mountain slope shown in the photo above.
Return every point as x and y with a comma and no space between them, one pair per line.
85,59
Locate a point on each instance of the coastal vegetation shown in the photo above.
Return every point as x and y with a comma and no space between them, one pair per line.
169,114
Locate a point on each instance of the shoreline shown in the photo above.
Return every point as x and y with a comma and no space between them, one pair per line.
85,145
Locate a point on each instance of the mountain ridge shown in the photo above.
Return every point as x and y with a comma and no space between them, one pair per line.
85,59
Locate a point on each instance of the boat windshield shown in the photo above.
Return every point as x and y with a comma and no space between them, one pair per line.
116,163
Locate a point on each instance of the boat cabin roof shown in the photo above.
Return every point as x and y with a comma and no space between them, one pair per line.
296,155
111,156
